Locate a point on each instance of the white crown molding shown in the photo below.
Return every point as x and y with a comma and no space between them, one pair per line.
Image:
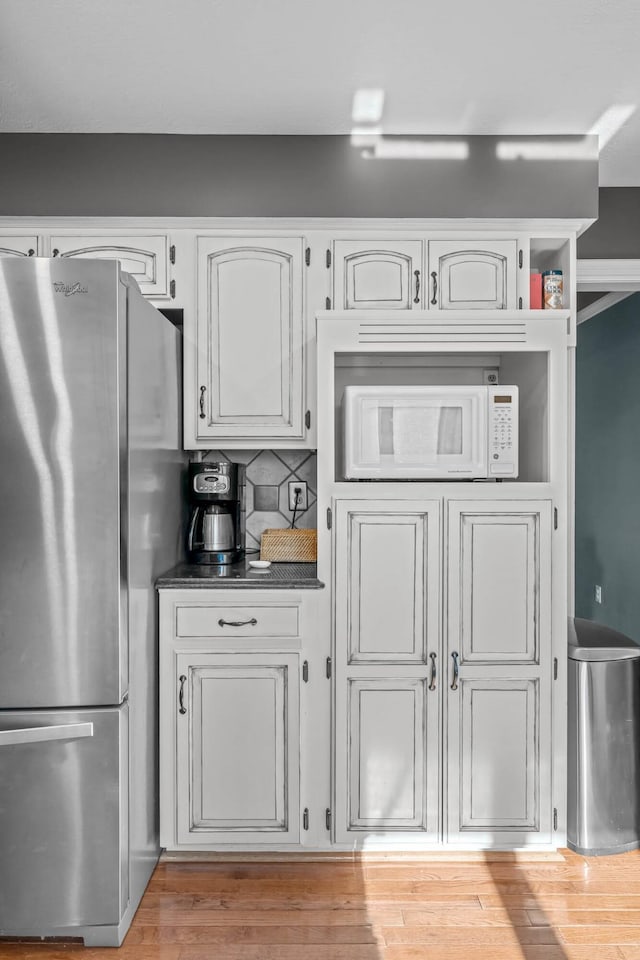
542,228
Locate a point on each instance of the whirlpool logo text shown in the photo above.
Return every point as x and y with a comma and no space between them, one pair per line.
69,289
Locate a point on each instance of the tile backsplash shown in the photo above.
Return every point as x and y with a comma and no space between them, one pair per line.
269,473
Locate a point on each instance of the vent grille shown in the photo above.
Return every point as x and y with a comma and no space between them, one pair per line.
442,332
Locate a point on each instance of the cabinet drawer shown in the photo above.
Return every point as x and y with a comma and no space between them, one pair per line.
229,620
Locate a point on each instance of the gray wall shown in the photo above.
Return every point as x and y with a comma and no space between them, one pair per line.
616,233
280,176
608,467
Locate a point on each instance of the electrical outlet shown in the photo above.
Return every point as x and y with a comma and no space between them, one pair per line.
303,500
490,376
598,593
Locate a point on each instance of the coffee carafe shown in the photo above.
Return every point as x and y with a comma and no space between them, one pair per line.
216,524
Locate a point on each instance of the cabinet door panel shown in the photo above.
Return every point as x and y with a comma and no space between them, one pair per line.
388,579
237,749
495,578
500,767
387,753
250,338
370,277
473,276
18,246
144,257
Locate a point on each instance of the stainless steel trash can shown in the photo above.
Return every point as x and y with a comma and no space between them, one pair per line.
603,768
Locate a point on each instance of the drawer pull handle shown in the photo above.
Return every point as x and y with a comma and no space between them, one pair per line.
182,709
203,390
434,277
237,623
416,274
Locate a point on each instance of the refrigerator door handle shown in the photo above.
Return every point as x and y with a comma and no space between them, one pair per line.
61,731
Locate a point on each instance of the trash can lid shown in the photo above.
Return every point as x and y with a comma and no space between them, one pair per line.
593,641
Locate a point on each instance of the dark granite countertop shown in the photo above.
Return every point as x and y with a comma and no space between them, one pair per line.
279,576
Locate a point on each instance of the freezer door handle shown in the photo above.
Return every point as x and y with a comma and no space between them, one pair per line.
60,731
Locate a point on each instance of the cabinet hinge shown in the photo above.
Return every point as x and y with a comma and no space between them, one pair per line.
520,259
172,253
328,259
555,818
329,518
307,256
555,668
305,818
307,419
172,289
329,668
327,303
327,818
555,518
305,671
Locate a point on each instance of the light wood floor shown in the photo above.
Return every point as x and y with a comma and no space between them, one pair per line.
481,908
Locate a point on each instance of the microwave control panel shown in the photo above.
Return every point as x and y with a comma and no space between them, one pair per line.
503,431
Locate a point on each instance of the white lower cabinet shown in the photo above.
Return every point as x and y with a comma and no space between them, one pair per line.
426,722
242,685
498,753
387,630
237,748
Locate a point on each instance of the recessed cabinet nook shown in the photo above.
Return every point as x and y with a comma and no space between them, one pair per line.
418,701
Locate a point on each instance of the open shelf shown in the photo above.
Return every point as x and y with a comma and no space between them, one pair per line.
528,370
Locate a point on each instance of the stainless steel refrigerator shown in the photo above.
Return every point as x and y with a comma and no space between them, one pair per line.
90,476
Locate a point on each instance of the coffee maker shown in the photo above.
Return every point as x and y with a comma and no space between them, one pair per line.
217,517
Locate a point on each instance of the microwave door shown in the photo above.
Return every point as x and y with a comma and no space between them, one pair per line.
438,437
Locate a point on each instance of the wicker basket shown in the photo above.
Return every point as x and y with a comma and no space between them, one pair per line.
289,546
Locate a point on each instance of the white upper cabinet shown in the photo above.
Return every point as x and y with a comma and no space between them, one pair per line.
18,246
146,258
374,275
389,274
249,340
472,275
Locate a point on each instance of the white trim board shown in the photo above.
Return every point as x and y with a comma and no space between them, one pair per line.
608,275
603,303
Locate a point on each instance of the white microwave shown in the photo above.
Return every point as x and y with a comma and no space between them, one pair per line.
430,432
